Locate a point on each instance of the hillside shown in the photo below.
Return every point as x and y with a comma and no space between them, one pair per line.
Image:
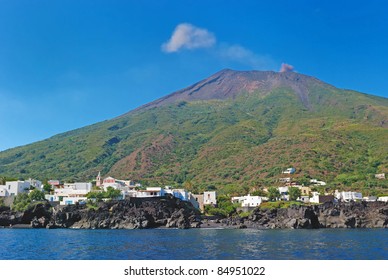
234,130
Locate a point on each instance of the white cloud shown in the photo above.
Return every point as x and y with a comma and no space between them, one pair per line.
188,36
240,54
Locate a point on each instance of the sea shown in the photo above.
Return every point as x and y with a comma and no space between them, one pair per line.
193,244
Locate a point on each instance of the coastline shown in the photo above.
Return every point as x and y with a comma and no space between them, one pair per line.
170,212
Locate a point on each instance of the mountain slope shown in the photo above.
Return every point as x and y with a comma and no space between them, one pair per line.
238,128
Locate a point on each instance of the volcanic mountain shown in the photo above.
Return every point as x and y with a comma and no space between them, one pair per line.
233,130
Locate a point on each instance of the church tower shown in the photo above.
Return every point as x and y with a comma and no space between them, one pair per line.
98,180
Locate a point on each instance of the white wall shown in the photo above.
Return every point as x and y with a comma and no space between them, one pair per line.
251,201
16,187
210,198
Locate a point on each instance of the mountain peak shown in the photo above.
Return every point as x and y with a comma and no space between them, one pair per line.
228,83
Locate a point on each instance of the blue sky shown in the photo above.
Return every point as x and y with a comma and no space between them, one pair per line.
67,64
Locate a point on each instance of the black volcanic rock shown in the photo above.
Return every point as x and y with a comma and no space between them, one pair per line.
329,215
132,213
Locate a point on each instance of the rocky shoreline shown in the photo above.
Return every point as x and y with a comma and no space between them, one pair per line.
169,212
328,215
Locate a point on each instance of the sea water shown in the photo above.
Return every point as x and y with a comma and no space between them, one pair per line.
193,244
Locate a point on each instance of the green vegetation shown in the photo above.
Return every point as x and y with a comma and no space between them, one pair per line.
23,200
279,204
273,194
47,188
36,195
294,193
225,208
233,144
110,193
244,214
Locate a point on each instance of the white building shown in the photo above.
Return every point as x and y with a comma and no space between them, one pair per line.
383,198
13,188
70,193
317,198
194,201
314,198
35,183
182,194
150,192
369,198
348,196
73,189
247,200
317,182
210,198
284,193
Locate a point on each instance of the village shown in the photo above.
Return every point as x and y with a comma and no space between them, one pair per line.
81,192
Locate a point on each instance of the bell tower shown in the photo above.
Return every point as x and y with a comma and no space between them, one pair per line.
98,180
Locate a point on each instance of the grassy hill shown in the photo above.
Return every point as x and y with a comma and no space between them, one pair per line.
234,131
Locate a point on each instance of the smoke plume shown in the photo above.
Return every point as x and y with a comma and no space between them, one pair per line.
286,68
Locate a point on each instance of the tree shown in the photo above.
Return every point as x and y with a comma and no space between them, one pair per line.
294,193
47,188
36,195
273,193
21,202
112,193
259,193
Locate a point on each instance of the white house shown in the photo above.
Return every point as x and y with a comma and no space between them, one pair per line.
13,188
317,198
70,193
73,189
35,183
247,200
317,182
369,198
348,196
210,198
383,198
284,193
182,194
193,200
150,192
73,200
